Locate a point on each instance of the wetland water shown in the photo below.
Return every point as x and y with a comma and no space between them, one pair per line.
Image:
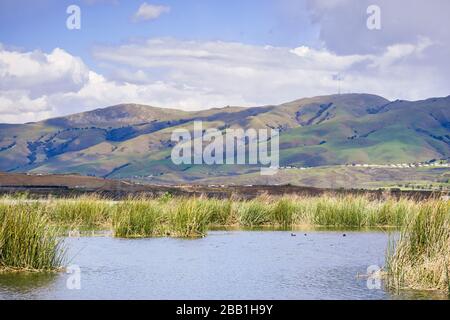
223,265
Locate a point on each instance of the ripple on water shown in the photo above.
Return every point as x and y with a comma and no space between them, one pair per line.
224,265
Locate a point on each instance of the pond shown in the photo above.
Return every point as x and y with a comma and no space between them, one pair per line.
223,265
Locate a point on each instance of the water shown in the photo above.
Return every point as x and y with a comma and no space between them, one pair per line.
224,265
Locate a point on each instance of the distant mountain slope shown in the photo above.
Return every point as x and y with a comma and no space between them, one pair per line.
130,140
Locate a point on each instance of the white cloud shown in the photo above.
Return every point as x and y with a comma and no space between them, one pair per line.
150,12
398,52
41,73
194,75
265,75
29,79
18,107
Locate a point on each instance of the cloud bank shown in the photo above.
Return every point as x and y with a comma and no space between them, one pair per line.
406,59
195,75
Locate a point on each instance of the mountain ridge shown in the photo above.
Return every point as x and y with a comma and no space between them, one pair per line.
132,140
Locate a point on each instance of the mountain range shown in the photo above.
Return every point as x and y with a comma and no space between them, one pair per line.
131,141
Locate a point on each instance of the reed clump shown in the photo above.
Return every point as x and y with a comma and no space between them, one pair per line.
221,212
138,218
420,258
189,218
282,212
88,212
254,213
167,215
27,241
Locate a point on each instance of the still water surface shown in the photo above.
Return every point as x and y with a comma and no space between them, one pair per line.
224,265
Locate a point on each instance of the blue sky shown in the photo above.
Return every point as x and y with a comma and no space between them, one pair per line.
41,24
198,54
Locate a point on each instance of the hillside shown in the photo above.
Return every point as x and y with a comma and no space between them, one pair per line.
133,141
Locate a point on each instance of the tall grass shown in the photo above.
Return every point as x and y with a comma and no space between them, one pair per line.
168,217
221,212
141,217
351,211
137,218
282,212
190,218
253,213
27,242
341,212
83,212
420,258
396,212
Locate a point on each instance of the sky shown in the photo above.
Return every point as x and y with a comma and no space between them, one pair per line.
199,54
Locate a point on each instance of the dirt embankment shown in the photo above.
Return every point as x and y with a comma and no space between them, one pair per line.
72,185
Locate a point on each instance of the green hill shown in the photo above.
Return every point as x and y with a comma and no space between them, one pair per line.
133,141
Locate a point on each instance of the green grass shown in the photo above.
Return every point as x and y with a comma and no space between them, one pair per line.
420,258
190,218
221,212
356,211
137,218
253,213
140,217
27,242
282,212
186,218
83,212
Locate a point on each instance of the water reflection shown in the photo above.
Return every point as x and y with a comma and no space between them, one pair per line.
23,283
224,265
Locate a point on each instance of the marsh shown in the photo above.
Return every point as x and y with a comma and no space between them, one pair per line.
223,265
